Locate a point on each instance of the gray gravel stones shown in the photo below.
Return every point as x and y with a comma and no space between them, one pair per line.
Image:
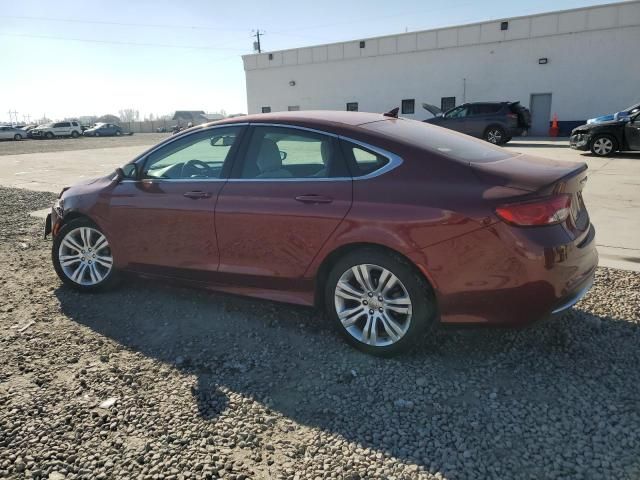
213,386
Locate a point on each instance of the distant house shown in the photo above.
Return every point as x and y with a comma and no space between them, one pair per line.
195,117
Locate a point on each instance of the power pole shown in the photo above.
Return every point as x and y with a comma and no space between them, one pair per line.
256,45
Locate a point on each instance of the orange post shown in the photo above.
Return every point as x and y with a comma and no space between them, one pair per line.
554,130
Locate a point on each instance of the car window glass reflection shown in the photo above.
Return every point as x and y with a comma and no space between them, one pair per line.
199,156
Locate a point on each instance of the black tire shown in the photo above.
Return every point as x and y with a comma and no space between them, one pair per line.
111,278
603,145
423,307
49,135
17,137
75,134
118,133
495,134
96,134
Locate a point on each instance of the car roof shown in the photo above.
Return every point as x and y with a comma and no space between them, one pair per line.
319,118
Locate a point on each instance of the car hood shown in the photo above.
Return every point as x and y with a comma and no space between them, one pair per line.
591,126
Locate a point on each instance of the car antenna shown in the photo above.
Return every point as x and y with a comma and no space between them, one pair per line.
393,113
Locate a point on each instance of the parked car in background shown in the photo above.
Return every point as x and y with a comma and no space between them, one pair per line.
57,129
103,130
495,122
28,130
621,115
606,138
8,132
393,225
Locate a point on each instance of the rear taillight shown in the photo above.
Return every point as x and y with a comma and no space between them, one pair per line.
512,115
546,211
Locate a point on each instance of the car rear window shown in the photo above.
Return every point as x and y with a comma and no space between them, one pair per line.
441,141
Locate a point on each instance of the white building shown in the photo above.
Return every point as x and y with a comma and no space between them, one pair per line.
576,63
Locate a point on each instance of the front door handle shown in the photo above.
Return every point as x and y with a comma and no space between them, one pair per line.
314,199
197,194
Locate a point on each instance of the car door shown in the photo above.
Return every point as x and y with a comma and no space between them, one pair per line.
478,118
288,192
5,132
455,119
632,132
162,221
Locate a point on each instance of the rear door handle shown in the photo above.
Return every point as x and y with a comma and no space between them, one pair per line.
197,194
314,199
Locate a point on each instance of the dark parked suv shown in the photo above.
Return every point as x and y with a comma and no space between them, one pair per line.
496,122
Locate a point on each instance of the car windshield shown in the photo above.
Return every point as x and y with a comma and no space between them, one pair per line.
441,141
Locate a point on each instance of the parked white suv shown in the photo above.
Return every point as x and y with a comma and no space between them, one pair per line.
57,129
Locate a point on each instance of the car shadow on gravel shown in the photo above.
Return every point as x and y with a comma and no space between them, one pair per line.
542,399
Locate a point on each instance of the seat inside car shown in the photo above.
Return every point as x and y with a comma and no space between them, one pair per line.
269,161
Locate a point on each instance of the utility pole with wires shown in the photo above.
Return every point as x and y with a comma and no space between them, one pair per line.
256,45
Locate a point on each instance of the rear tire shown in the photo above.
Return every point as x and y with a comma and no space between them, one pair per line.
49,135
17,137
75,134
384,310
82,257
96,134
118,133
495,135
603,145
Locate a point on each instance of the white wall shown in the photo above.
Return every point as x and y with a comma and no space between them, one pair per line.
593,66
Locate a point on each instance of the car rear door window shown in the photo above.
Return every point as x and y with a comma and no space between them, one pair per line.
201,155
281,152
362,160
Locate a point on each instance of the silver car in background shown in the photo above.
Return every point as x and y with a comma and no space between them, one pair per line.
8,132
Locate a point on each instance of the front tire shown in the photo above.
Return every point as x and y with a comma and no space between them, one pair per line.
603,145
379,302
118,133
49,135
17,137
495,135
82,256
75,134
96,134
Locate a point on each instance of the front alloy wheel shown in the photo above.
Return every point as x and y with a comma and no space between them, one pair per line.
82,256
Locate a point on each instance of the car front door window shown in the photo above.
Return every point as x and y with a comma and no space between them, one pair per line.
198,156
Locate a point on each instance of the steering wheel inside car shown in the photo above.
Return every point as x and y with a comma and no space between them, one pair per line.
196,169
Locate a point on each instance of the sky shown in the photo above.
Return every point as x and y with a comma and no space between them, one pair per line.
73,58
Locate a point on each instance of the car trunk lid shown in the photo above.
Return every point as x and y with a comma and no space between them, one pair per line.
538,178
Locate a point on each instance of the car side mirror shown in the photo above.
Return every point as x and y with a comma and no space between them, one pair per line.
283,155
129,171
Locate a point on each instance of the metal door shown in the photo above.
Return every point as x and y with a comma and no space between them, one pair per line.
540,114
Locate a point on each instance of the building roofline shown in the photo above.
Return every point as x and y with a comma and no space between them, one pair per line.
447,27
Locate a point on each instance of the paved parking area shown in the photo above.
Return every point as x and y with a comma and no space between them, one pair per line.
612,193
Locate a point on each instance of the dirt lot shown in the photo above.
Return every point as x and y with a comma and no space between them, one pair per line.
10,147
201,385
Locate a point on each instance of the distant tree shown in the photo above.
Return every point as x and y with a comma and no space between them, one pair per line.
108,119
129,115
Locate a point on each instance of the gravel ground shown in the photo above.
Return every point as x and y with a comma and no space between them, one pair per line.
11,147
155,381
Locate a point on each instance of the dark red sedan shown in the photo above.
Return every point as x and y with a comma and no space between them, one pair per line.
392,225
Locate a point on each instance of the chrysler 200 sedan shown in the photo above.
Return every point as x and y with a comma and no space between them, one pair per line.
391,225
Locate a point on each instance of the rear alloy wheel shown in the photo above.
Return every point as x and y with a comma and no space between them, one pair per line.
82,256
603,145
495,135
380,304
17,136
75,134
49,135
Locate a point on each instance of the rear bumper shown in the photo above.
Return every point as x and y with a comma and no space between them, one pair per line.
509,276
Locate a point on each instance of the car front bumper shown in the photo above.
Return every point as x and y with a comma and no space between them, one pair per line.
579,141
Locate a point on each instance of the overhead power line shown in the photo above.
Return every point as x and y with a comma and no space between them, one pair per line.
121,24
116,42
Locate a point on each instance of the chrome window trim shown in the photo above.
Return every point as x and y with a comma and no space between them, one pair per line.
394,160
173,180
